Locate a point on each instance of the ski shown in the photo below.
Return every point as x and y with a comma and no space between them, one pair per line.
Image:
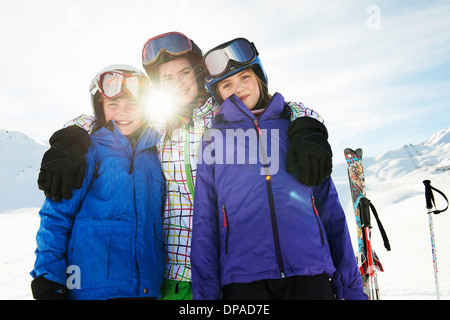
366,257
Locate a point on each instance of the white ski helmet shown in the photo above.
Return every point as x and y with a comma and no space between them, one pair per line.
114,81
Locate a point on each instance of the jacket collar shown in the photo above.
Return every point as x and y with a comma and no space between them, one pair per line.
208,106
110,135
234,110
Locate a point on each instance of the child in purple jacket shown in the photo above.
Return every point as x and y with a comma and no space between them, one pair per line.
258,233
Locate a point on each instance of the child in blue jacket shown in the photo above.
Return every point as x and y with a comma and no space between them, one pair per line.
258,232
107,241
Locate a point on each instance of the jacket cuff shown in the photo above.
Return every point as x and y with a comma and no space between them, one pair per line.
52,275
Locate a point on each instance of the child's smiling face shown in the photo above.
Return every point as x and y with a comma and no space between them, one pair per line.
125,112
244,85
179,76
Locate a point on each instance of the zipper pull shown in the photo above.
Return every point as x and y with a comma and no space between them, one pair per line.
257,127
314,207
225,222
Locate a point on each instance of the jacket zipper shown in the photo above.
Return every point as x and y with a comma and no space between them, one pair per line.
95,175
187,163
257,127
316,214
133,152
273,215
130,171
273,218
226,225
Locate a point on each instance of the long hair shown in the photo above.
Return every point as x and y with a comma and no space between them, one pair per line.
264,95
195,62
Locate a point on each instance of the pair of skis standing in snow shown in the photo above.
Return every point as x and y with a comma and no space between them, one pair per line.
366,257
368,261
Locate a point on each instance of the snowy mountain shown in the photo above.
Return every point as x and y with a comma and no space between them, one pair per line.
20,159
393,184
402,171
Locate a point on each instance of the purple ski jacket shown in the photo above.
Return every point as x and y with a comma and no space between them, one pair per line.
253,220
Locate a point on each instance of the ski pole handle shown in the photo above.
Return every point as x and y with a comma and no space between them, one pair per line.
364,212
428,193
430,198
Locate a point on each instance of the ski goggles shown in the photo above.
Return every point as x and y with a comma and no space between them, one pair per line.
112,84
238,52
174,43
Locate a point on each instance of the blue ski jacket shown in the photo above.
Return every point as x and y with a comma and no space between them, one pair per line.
107,241
253,220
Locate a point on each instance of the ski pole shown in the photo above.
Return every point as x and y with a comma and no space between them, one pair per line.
430,201
366,227
433,252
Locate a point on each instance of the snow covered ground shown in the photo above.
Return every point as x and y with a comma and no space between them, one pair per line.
17,243
394,185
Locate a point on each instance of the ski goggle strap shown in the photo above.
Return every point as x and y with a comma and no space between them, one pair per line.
174,43
112,84
237,52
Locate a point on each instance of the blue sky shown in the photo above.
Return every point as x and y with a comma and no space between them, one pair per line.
377,71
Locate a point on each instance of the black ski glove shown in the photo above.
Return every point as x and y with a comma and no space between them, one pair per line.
44,289
309,151
63,165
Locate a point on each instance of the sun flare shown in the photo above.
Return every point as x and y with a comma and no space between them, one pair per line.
161,105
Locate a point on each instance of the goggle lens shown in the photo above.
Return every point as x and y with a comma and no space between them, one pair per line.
217,60
174,43
113,84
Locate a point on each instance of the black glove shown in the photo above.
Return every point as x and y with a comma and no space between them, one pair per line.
309,151
44,289
63,165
